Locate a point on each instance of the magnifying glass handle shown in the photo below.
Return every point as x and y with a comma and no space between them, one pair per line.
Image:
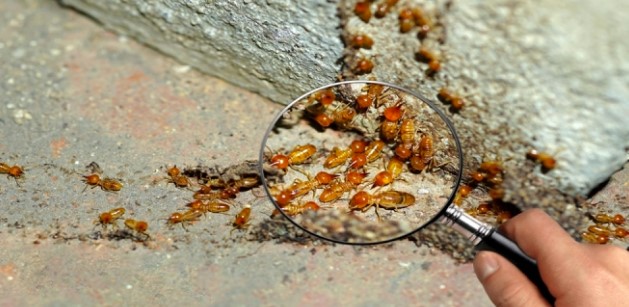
502,245
488,238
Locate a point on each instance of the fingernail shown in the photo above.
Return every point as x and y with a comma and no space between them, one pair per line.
486,265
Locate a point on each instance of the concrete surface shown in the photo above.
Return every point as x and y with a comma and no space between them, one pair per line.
279,49
73,93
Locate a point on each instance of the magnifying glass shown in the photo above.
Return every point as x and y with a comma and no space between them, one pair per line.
367,162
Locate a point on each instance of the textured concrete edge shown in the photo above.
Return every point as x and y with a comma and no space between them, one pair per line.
277,49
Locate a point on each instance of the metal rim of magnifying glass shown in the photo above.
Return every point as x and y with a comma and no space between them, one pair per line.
332,85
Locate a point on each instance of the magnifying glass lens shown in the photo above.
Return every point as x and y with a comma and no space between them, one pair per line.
361,162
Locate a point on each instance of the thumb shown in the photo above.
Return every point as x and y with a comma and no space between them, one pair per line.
504,283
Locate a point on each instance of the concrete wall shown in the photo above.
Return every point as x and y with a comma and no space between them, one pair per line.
276,48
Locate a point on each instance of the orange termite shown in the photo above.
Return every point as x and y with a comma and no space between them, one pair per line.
187,217
455,101
91,180
234,186
374,150
617,219
424,23
620,232
393,170
324,120
358,146
388,130
358,160
492,168
407,131
213,206
594,238
242,218
394,113
361,41
299,155
106,184
138,226
300,188
14,171
546,160
407,22
382,9
426,56
336,189
362,9
177,178
423,155
109,184
391,200
110,217
325,97
296,209
363,66
481,209
477,176
205,193
283,198
364,101
337,157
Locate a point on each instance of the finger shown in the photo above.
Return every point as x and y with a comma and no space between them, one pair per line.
504,283
540,237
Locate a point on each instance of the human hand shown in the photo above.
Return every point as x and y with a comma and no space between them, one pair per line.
576,274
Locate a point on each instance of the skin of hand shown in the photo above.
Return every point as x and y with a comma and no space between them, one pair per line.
576,274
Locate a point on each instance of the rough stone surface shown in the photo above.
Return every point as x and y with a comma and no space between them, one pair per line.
277,48
548,75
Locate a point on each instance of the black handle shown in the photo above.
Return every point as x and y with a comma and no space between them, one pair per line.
502,245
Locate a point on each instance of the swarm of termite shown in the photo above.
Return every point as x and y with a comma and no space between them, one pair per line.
487,181
412,20
389,140
605,228
213,193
